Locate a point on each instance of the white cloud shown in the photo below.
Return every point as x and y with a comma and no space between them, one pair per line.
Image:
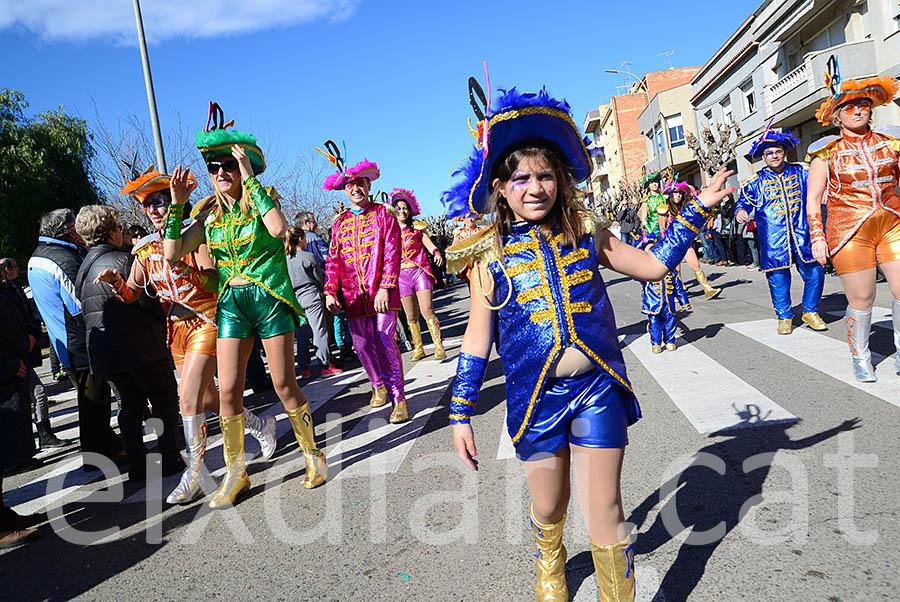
76,20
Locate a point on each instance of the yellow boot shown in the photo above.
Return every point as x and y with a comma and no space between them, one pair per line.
711,293
435,329
236,480
615,571
400,413
418,347
551,561
379,396
316,467
814,320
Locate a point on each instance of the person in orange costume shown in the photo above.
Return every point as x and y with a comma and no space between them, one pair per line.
855,173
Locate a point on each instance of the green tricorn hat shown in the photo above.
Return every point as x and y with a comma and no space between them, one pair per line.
216,141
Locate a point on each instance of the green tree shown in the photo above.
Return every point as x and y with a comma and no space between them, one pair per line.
45,164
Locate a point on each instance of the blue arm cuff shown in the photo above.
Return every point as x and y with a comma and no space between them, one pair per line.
681,234
469,376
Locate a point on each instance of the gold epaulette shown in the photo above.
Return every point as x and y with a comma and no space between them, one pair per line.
144,247
481,247
205,205
419,225
821,147
594,223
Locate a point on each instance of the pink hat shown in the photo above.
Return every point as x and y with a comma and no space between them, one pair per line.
363,169
401,194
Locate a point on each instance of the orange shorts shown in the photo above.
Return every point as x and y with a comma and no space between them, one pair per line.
876,241
192,336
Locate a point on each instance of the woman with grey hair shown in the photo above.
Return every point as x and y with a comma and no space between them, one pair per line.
127,342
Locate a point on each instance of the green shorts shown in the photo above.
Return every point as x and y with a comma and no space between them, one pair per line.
247,310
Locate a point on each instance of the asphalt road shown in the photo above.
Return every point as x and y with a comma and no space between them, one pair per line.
760,471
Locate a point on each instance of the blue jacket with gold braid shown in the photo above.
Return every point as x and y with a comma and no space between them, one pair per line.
659,294
551,297
780,204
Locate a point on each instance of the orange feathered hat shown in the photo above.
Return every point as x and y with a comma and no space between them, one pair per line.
140,186
880,90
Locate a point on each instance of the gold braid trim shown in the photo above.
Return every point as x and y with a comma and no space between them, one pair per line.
481,247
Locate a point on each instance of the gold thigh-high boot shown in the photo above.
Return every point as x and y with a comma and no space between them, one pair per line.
434,328
418,347
379,396
550,561
316,467
236,480
711,293
615,570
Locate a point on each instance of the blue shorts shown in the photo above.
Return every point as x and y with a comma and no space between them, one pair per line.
590,410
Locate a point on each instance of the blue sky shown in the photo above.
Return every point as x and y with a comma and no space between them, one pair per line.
388,77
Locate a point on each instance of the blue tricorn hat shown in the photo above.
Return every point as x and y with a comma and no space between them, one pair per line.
516,119
772,138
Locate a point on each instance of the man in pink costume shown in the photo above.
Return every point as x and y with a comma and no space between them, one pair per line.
361,277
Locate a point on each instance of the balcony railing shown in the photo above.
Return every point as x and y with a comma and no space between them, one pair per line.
805,85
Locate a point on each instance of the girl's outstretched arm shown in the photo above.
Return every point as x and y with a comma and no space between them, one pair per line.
653,265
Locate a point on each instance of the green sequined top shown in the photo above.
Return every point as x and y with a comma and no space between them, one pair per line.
242,247
656,204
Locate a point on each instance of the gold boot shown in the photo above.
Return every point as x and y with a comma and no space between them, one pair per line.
316,467
551,561
711,293
615,571
379,396
813,320
671,346
400,413
785,326
656,348
418,347
236,480
435,329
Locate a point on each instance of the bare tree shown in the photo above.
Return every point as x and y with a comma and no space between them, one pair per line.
719,151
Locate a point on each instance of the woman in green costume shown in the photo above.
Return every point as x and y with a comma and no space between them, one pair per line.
243,231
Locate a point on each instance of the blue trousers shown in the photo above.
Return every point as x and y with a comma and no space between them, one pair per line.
681,295
780,288
662,327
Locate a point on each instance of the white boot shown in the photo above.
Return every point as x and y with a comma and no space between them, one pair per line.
189,487
895,315
263,431
859,325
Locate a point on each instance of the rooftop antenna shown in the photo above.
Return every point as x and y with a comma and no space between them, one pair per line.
668,54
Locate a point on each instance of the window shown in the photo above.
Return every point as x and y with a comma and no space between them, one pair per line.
651,148
749,98
676,130
660,140
727,114
707,118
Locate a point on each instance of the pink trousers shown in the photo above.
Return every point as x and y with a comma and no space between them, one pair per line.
374,339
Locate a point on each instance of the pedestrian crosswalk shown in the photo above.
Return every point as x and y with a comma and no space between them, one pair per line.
366,444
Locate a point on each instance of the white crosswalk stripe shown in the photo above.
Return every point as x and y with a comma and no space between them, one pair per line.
824,354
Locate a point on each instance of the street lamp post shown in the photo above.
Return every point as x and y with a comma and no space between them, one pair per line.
151,97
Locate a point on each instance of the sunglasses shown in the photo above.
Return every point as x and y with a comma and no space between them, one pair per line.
157,201
851,106
228,165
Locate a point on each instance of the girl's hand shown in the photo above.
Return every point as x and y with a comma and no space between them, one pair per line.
714,194
464,442
108,276
438,259
820,251
243,161
180,186
332,304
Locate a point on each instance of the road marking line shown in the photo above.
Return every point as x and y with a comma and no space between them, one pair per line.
709,395
824,354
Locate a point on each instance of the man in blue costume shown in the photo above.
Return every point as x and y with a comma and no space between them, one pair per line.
778,196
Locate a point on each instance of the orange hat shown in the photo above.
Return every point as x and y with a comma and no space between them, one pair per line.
143,185
879,90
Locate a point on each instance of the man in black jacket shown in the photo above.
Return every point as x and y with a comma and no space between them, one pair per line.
127,342
51,273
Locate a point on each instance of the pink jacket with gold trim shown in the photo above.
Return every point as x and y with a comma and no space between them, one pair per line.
364,256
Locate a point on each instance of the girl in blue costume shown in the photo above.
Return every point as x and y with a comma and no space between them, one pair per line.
537,289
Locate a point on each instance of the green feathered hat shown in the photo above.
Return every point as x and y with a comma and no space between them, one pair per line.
216,141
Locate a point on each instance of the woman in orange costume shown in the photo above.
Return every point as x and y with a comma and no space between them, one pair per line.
855,174
187,292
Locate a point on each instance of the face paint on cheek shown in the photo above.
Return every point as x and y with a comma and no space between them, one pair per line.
519,180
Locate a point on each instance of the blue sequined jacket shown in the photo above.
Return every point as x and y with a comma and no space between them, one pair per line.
659,296
780,204
555,298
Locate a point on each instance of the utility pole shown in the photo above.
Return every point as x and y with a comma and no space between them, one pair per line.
151,97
